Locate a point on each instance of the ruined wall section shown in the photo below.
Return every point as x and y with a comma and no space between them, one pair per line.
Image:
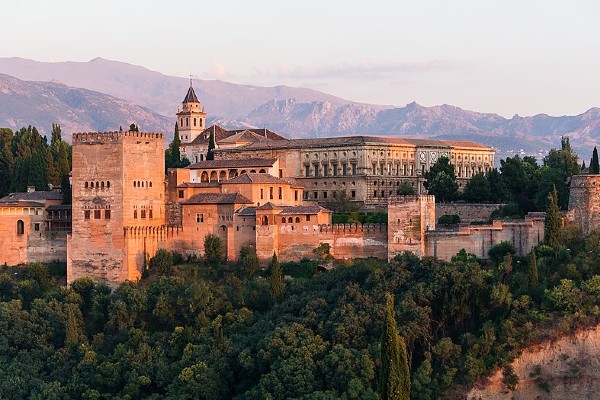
584,202
478,239
466,211
409,217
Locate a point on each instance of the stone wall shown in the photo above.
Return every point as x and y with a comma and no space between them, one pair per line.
478,239
467,212
356,240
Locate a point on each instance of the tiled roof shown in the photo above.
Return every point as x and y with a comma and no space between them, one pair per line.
460,143
191,97
197,185
269,206
247,212
257,135
248,162
256,178
41,195
289,210
60,207
21,204
243,136
218,198
345,141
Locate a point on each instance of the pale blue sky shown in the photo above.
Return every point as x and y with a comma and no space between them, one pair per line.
507,57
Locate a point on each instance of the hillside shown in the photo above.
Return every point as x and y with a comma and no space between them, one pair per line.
40,104
296,112
562,369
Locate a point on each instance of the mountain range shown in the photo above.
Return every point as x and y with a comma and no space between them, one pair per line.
103,95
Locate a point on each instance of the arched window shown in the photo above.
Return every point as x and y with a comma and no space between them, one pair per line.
135,214
201,157
187,121
200,119
97,185
181,123
290,220
283,220
102,184
150,183
297,219
86,185
20,227
134,183
108,184
194,121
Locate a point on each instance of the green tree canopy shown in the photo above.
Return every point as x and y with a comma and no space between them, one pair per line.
441,180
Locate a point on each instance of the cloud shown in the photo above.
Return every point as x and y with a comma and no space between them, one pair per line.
217,71
363,70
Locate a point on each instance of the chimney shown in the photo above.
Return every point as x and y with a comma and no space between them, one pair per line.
30,189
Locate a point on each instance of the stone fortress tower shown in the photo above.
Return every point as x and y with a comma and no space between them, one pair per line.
118,204
584,202
191,120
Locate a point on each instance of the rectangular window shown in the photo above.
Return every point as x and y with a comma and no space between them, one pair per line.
143,214
308,217
324,195
261,194
374,169
36,227
199,217
280,193
335,170
317,171
307,170
305,195
150,214
374,193
281,173
353,169
316,195
97,214
181,194
295,195
106,214
271,193
344,169
353,194
326,171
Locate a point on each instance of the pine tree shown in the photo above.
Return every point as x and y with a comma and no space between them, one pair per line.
594,164
552,228
210,154
534,278
6,161
173,157
394,375
276,281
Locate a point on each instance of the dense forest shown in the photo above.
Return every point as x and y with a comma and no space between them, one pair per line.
205,329
27,159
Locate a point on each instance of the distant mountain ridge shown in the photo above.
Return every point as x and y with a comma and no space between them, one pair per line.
294,112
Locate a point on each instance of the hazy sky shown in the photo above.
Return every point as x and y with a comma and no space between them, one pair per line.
506,56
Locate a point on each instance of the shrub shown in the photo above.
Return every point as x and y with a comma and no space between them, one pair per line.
162,262
449,219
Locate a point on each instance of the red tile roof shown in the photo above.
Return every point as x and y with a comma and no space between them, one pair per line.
217,198
244,163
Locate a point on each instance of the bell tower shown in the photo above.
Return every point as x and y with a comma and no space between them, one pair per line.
191,120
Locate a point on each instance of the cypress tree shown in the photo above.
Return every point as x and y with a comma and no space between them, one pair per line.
594,165
72,328
552,228
394,375
534,278
65,189
276,281
210,154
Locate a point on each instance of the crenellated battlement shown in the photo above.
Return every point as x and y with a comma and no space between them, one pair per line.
402,199
353,228
112,137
